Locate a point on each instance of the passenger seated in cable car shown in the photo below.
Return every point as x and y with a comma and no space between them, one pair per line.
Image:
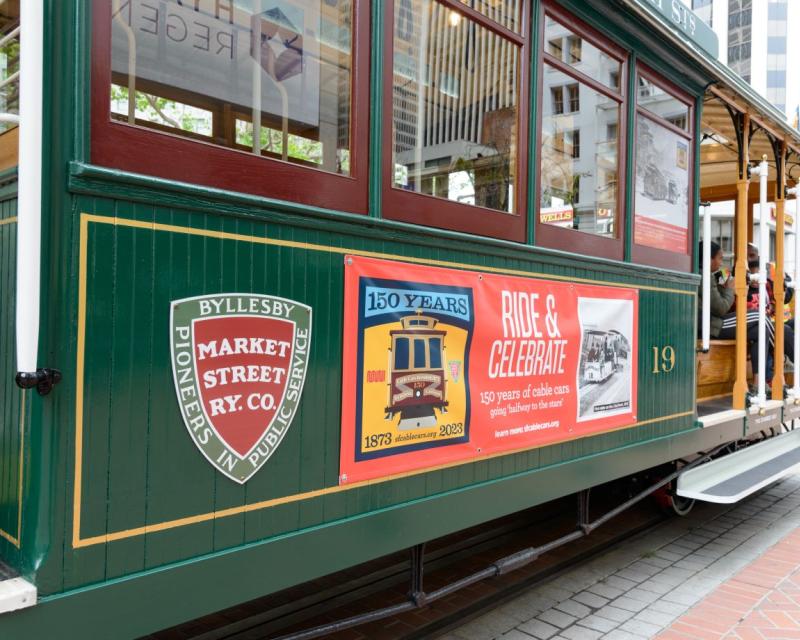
752,305
723,314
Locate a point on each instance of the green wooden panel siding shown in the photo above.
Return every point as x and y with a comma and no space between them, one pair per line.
12,398
139,466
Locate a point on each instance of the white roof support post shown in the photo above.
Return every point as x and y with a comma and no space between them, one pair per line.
763,250
29,203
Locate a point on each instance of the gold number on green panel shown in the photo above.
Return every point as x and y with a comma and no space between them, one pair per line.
663,359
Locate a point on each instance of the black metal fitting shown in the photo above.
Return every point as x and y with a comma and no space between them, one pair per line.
43,379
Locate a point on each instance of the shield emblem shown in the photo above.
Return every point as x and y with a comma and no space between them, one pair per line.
239,362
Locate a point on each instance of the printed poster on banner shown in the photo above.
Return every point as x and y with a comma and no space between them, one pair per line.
662,187
442,365
239,362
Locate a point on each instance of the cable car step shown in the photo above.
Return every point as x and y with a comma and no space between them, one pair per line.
737,475
15,592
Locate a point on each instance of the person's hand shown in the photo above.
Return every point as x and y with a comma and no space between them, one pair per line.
730,282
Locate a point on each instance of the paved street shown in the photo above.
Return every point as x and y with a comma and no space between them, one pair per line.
656,586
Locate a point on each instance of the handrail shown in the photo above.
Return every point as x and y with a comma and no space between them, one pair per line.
762,171
706,322
10,36
10,79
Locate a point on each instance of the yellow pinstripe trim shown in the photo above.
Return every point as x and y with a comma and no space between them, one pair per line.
10,220
224,235
78,541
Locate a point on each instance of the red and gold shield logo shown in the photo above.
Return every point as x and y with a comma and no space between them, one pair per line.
239,363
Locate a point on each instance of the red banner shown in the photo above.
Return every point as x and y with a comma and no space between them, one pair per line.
442,365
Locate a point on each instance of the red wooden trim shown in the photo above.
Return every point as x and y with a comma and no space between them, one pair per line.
566,69
173,157
572,240
650,255
486,21
416,208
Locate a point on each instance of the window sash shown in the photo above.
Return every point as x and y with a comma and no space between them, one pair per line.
170,156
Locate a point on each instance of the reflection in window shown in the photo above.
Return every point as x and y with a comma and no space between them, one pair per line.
581,54
579,159
505,12
265,76
455,106
660,103
9,61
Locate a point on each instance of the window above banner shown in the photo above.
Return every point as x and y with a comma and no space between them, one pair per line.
272,80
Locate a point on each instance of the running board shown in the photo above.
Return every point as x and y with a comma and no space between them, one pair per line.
737,475
15,592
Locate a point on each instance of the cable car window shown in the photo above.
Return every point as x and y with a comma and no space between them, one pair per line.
454,116
581,122
663,178
401,353
435,346
579,191
419,354
271,79
277,82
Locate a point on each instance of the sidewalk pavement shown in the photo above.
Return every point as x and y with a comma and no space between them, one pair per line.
724,571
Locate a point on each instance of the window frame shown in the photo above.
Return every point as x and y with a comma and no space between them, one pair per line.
172,156
572,240
432,211
644,254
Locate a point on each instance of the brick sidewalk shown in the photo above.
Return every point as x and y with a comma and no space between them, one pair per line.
761,601
710,573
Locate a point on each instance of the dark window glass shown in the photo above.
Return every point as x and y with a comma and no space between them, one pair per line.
401,353
435,345
574,98
576,144
419,354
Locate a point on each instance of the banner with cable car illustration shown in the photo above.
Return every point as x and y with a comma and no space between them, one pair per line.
442,365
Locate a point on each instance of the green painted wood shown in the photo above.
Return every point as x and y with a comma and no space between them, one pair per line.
139,466
376,111
698,136
232,578
166,478
630,165
12,397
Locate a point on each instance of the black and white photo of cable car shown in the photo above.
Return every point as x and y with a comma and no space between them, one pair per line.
604,376
602,354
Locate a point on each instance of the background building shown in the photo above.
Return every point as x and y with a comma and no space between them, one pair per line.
754,41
